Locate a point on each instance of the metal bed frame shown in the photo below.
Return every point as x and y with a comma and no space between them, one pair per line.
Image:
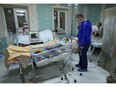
60,50
95,44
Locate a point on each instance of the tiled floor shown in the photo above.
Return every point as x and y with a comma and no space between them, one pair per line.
96,74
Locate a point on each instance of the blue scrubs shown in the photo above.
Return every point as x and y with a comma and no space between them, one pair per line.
84,40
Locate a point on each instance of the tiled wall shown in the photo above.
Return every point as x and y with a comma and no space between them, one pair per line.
94,11
44,12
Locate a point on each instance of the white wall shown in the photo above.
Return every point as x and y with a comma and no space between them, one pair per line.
3,27
33,20
85,11
102,13
69,23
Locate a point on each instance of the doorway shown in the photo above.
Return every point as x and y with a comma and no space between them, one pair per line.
10,23
15,19
60,19
20,16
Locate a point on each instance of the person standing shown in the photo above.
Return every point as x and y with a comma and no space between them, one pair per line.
84,41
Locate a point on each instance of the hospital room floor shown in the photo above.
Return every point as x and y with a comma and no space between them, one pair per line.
95,73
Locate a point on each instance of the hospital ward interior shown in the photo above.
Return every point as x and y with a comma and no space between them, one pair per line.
45,43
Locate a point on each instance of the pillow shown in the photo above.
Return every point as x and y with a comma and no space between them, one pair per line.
46,35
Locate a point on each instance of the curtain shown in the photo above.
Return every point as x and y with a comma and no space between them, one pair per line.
108,54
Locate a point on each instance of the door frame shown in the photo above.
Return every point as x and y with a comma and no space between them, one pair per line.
65,9
65,19
15,17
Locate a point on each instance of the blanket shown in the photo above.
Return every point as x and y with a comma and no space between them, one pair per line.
16,51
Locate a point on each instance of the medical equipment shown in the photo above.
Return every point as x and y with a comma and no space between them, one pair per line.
34,37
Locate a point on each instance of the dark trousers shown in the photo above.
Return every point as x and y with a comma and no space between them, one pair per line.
83,57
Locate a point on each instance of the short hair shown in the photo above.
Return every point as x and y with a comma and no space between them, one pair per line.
99,24
80,15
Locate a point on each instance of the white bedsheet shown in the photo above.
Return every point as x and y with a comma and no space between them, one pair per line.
23,39
97,42
44,36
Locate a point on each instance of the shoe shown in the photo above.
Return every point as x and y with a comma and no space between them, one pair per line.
82,70
77,65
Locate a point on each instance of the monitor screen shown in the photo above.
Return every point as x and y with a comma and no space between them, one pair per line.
34,35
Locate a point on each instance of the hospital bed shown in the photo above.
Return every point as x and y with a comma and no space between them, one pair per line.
95,43
51,54
41,54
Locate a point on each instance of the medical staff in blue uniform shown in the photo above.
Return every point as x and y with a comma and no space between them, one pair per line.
84,41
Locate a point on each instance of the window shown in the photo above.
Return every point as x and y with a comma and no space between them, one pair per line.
60,19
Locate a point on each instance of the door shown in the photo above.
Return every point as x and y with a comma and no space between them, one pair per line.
15,18
60,19
9,16
20,16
